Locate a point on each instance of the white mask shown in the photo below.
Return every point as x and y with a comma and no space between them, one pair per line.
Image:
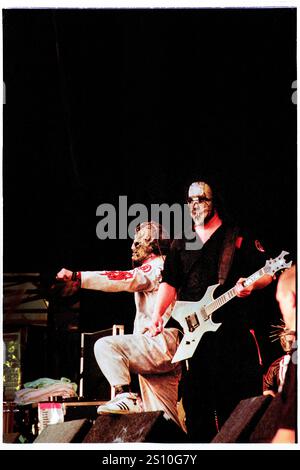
145,240
200,201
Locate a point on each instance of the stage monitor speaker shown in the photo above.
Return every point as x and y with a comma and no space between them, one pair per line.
11,438
70,431
148,426
93,385
267,426
243,420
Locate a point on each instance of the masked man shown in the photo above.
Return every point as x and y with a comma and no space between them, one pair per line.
225,368
139,353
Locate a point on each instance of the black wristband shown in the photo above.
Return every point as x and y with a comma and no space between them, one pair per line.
74,276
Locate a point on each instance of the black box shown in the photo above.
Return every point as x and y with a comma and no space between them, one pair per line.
93,385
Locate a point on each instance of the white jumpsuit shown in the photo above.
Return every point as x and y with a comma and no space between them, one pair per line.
149,357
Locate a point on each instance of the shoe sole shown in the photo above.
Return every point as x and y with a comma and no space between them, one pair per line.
121,412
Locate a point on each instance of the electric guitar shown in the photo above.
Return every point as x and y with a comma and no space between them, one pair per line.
195,317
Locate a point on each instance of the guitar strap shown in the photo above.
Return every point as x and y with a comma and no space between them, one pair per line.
227,252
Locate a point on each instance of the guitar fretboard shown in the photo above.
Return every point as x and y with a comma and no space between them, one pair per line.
231,293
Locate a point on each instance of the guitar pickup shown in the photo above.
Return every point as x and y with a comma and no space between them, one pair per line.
192,322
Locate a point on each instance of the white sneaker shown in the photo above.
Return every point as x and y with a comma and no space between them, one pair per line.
123,403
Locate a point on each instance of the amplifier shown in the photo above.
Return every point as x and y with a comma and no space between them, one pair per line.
93,385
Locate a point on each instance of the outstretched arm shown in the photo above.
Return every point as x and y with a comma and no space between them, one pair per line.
145,277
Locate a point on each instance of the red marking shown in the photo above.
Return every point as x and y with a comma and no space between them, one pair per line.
49,405
238,242
259,246
257,347
117,275
217,421
146,268
123,275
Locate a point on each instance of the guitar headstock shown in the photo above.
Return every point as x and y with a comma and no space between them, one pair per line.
276,264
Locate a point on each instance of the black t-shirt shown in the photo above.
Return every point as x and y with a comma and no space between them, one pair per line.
225,366
192,272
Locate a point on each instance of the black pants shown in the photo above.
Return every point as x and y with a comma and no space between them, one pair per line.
224,370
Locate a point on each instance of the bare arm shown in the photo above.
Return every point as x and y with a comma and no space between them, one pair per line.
165,296
242,291
284,436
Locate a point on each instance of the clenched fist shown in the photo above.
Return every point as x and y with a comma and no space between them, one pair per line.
64,275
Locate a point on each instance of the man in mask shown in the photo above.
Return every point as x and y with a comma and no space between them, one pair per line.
139,353
225,367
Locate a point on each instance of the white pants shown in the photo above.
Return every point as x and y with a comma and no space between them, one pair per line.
150,358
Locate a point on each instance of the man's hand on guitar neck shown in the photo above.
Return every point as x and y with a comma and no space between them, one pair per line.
242,291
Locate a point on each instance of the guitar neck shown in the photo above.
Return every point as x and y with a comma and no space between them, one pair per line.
231,293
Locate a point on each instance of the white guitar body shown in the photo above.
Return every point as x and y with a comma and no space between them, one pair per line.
195,317
191,340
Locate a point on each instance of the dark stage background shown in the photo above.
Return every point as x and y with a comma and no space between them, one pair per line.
102,103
